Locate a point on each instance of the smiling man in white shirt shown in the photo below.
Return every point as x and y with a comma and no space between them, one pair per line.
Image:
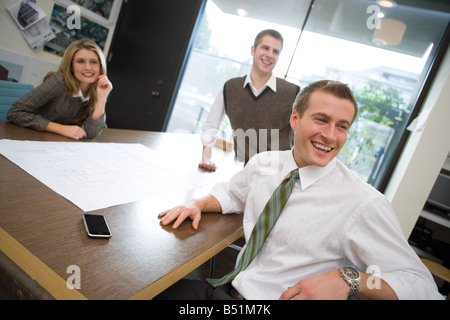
258,105
334,230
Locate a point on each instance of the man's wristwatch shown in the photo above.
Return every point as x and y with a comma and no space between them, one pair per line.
351,275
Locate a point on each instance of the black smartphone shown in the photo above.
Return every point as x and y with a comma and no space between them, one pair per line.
96,226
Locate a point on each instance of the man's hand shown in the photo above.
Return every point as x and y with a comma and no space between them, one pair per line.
331,286
180,213
193,210
325,286
206,163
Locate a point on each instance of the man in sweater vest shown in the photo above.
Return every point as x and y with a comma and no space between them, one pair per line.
258,105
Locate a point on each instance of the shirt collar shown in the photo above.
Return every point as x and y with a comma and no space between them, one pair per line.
271,83
80,95
309,174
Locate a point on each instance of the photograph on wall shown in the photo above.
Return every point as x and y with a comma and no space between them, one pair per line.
64,36
29,17
105,11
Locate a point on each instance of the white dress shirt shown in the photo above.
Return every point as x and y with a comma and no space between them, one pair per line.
331,218
217,112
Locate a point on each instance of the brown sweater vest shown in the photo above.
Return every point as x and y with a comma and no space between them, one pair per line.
254,119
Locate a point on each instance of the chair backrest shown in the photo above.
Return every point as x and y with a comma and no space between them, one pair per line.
10,92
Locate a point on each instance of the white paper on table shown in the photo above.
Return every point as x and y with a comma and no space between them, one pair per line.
99,175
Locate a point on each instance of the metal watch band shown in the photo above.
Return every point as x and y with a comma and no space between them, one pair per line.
353,283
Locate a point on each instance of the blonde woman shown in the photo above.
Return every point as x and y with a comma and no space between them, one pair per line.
71,101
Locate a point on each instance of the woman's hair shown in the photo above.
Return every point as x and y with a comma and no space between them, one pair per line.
336,88
66,70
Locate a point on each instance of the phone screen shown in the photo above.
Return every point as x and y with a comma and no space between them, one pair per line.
96,226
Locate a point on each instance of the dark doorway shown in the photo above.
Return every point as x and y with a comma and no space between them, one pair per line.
146,57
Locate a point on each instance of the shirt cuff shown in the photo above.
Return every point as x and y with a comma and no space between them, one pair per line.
219,192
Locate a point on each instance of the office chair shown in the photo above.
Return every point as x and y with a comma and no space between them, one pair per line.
10,92
237,246
441,272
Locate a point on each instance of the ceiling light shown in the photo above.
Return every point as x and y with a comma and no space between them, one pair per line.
386,3
242,12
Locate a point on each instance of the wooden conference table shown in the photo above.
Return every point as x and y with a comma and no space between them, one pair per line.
43,233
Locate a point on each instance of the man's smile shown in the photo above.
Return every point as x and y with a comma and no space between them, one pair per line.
321,147
266,62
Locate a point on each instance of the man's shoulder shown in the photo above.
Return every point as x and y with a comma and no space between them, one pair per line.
234,84
236,80
271,158
287,84
352,178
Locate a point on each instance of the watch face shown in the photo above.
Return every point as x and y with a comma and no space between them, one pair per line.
351,273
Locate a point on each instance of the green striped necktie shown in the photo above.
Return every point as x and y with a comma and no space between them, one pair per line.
265,222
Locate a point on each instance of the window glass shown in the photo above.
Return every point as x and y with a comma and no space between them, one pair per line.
222,50
382,53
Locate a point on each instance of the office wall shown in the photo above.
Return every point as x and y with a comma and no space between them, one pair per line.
424,155
13,45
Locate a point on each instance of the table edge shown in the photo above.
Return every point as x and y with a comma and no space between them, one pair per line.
36,269
169,279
